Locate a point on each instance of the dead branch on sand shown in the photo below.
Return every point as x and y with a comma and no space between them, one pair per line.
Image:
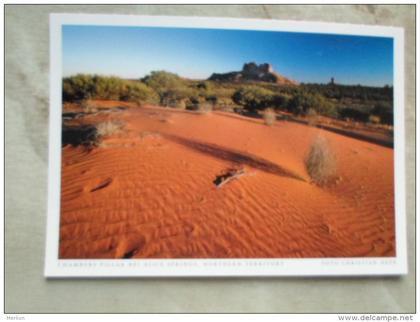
230,175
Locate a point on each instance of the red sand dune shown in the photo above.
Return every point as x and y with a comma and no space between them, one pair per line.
148,192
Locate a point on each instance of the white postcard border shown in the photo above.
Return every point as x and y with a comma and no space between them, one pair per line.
55,267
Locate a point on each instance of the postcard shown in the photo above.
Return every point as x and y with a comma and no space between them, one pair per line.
188,146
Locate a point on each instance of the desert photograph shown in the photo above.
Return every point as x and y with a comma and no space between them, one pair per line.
188,143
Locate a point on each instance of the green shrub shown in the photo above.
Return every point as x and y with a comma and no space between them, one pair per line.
212,99
374,119
170,87
78,87
253,97
206,86
354,114
85,87
358,92
280,101
138,92
194,102
302,101
225,104
159,80
110,88
173,96
383,110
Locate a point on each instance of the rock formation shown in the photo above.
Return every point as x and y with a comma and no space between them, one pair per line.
253,72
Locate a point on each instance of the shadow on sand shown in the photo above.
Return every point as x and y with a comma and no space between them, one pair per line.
255,117
388,143
238,157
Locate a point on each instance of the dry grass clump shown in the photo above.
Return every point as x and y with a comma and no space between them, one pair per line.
88,106
180,105
312,117
149,134
374,119
205,108
269,116
228,109
138,103
321,162
110,127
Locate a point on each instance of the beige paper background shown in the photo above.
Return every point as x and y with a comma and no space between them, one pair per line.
26,117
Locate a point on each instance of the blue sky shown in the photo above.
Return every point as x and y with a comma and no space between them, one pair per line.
132,52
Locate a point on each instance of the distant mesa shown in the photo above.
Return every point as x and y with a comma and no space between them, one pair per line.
253,72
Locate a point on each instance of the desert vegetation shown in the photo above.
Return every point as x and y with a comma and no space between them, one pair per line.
80,135
312,117
88,106
90,135
342,102
205,108
320,161
269,116
86,87
108,128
